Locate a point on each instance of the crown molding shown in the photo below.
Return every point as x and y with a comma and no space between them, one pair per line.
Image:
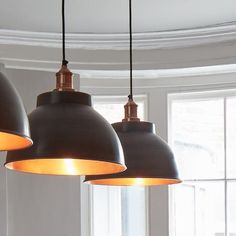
159,74
149,40
203,47
217,76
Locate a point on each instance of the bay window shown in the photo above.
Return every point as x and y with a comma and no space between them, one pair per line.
202,134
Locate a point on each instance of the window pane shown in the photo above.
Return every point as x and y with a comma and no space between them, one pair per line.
111,112
231,137
198,138
231,208
199,209
106,211
133,202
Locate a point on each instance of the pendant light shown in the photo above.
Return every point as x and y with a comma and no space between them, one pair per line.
14,125
149,159
70,137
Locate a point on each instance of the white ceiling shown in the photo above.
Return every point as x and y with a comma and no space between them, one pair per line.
172,34
110,16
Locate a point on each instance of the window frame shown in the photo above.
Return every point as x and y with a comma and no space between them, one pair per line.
202,95
157,90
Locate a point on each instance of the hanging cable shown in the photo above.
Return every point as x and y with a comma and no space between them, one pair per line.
64,61
130,50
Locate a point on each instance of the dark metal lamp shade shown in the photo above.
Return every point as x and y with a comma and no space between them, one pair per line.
70,138
14,126
149,159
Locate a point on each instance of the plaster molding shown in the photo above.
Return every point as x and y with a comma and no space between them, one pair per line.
212,81
158,74
52,66
172,53
150,40
124,74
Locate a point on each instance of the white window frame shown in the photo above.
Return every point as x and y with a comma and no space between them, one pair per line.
157,91
201,95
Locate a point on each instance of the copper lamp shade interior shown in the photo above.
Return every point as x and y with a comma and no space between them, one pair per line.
135,181
70,137
64,166
14,126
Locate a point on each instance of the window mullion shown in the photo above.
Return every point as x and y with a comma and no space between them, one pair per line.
225,165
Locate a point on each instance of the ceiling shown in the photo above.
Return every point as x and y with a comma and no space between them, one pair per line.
170,34
111,16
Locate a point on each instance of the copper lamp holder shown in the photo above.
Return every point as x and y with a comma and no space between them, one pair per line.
131,111
64,79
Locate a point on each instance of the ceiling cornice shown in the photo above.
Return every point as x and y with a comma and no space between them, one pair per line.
151,40
218,76
180,49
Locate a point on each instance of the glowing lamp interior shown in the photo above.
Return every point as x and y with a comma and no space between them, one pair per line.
10,141
134,181
65,167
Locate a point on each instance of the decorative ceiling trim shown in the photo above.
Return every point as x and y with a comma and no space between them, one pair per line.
216,76
152,40
111,75
158,74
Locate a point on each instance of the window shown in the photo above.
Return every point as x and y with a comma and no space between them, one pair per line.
203,138
118,211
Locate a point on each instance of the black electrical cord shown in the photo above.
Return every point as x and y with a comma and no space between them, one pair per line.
130,51
64,61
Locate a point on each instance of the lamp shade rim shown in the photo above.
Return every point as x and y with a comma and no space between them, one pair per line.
11,159
132,181
63,166
28,143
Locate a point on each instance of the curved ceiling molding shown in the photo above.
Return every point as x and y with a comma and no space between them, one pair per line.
144,41
209,75
215,45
